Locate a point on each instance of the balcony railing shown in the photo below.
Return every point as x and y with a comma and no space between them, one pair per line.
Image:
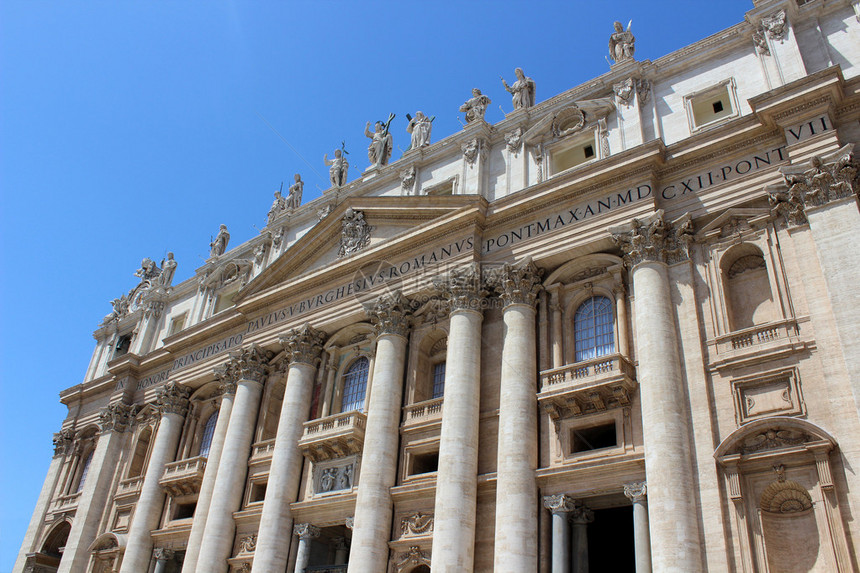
184,476
326,569
263,450
66,502
588,386
749,338
129,487
423,412
334,436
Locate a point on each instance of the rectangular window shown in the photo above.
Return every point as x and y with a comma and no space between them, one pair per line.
258,492
593,438
570,156
224,301
424,463
711,105
184,510
177,323
438,379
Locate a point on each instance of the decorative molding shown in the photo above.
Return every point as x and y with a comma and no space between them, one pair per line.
226,385
407,178
581,515
636,492
163,554
64,442
560,503
776,26
414,557
172,399
624,91
349,523
473,148
654,239
518,284
463,288
306,531
355,233
814,183
248,544
773,439
514,140
249,363
416,524
785,496
303,345
117,417
391,313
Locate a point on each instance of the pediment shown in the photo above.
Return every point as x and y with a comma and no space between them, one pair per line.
382,219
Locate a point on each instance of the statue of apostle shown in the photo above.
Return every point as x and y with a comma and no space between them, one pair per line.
622,43
476,106
338,167
419,127
381,142
219,244
523,90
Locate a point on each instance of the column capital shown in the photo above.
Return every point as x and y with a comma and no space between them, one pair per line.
341,543
518,284
636,491
117,417
654,239
172,399
560,503
303,345
581,515
463,288
391,313
814,183
64,442
226,385
163,554
349,523
306,531
249,363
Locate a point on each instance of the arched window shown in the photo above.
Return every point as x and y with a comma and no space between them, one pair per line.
84,471
593,329
135,469
355,385
208,432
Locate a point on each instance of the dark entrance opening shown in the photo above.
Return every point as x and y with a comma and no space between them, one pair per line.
610,540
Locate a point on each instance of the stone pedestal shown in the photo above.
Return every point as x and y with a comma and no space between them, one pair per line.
302,349
372,526
248,368
114,421
457,477
207,487
516,542
172,401
641,538
560,506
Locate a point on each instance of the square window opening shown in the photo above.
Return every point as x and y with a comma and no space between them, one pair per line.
224,301
711,106
258,492
177,323
573,155
184,510
593,438
424,463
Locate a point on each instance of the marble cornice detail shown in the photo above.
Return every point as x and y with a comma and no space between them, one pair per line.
64,442
172,399
654,239
814,183
117,417
517,284
303,345
391,313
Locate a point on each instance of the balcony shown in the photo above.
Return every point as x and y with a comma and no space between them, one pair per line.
66,502
756,344
183,477
326,569
422,413
129,487
588,386
262,451
334,436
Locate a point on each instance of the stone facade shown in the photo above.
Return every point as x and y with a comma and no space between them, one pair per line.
616,331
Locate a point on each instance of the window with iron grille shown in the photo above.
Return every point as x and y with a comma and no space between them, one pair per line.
208,432
355,385
593,329
438,379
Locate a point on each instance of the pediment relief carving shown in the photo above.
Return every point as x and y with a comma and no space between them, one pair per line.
569,120
772,435
235,271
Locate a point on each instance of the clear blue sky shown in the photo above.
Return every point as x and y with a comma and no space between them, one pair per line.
131,128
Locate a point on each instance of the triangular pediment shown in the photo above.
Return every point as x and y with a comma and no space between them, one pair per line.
389,219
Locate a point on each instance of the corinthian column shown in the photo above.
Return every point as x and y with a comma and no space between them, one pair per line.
114,421
516,546
635,492
248,368
172,402
213,460
302,348
305,532
648,246
457,478
560,505
391,315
